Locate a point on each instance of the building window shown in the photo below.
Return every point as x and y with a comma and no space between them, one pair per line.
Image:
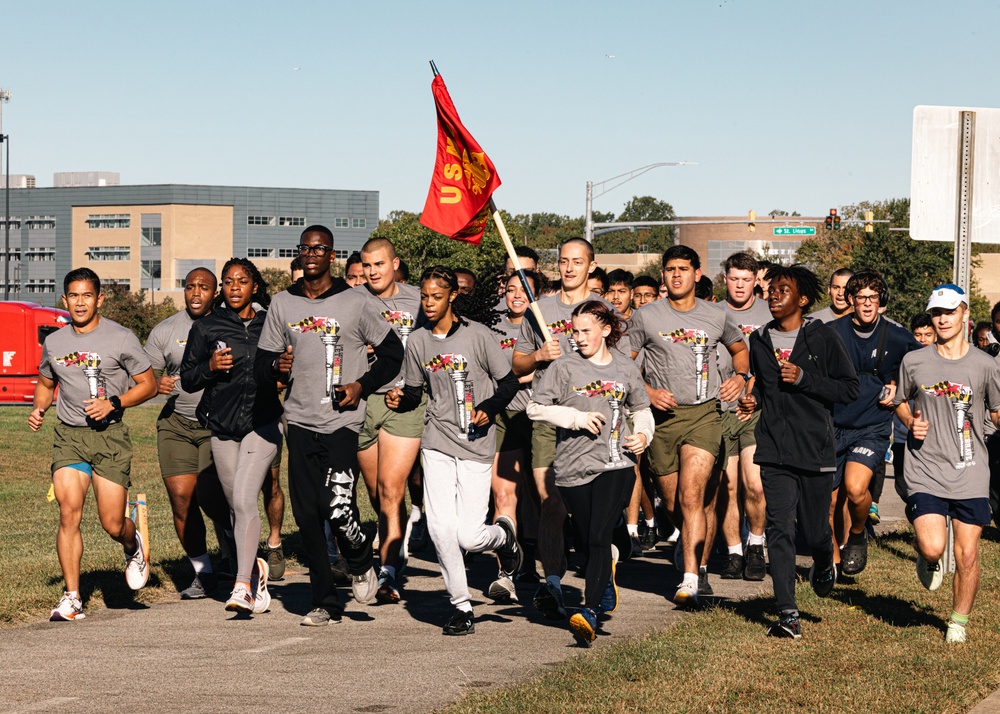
15,223
111,220
358,223
150,268
119,284
36,223
288,252
341,254
151,236
260,220
35,254
341,222
15,254
113,252
293,221
42,286
260,252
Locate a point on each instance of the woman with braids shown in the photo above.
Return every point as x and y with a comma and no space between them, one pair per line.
586,395
243,416
468,381
801,370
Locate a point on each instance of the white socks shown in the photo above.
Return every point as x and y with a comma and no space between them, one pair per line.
736,549
755,539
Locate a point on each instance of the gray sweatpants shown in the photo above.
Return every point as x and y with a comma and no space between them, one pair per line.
242,467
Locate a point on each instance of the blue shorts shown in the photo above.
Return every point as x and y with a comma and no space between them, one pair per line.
973,511
865,446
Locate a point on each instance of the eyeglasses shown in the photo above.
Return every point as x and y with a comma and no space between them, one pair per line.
867,299
314,249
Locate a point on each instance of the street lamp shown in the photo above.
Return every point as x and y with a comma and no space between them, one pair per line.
4,98
626,177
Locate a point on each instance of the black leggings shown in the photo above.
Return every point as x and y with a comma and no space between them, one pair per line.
596,507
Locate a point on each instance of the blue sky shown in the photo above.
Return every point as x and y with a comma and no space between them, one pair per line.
792,105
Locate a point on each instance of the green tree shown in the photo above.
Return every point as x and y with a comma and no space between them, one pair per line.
276,279
654,240
133,311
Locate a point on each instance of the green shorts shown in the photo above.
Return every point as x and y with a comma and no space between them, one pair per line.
543,445
378,416
738,435
698,425
184,446
108,451
513,431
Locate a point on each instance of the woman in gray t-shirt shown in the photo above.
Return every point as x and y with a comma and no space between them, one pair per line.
585,395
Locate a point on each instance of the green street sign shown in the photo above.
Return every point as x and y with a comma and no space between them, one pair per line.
794,230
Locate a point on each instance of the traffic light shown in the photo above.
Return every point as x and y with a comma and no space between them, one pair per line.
751,218
869,225
829,219
836,223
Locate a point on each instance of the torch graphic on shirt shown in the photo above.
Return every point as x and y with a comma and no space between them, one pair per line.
564,327
698,341
90,362
457,368
333,353
782,356
962,401
615,392
402,320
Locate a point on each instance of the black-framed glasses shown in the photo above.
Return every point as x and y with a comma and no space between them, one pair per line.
314,249
867,299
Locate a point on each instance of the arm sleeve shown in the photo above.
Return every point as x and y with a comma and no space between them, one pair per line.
506,390
411,398
840,384
642,423
195,374
565,417
389,359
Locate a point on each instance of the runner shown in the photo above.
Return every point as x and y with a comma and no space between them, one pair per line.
243,416
680,335
92,362
469,382
839,307
586,395
466,280
619,292
598,282
801,370
354,271
952,385
389,442
183,445
644,291
315,341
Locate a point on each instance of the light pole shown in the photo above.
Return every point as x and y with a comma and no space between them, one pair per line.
626,177
4,98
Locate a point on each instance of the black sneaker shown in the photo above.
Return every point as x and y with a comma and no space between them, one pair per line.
704,588
461,623
636,547
510,554
202,586
787,625
854,555
418,539
549,601
733,569
647,536
754,566
341,574
822,581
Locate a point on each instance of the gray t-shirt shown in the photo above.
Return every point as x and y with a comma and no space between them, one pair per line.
165,350
610,389
99,363
827,314
681,347
508,341
400,313
747,321
953,395
329,338
460,371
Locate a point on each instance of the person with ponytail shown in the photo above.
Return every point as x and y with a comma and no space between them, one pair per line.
242,415
468,381
586,396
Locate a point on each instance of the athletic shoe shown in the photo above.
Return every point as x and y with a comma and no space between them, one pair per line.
754,566
704,587
583,623
733,569
418,536
686,595
647,536
787,625
873,515
502,589
261,597
609,600
549,601
635,547
136,568
510,554
527,573
955,633
341,574
674,536
929,574
461,623
241,600
365,586
822,582
69,608
387,594
202,586
319,617
275,556
854,554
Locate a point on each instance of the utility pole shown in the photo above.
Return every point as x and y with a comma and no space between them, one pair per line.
4,98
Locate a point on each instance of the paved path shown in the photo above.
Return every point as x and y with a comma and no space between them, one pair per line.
193,656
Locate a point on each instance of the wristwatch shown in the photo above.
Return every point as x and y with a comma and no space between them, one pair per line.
116,402
746,377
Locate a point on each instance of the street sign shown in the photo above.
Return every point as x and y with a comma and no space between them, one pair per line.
794,230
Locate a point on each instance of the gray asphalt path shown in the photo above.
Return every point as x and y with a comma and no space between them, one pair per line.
193,656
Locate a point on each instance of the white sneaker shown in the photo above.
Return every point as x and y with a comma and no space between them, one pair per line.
502,589
929,574
261,597
69,608
365,586
241,599
956,633
686,595
136,568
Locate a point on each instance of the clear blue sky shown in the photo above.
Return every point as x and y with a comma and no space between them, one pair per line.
792,105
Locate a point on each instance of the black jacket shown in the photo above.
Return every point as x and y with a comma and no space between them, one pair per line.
234,403
796,422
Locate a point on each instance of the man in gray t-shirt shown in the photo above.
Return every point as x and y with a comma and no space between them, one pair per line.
93,361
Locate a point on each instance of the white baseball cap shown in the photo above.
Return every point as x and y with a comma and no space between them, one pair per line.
947,296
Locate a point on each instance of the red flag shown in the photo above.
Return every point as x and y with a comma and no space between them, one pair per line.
464,177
